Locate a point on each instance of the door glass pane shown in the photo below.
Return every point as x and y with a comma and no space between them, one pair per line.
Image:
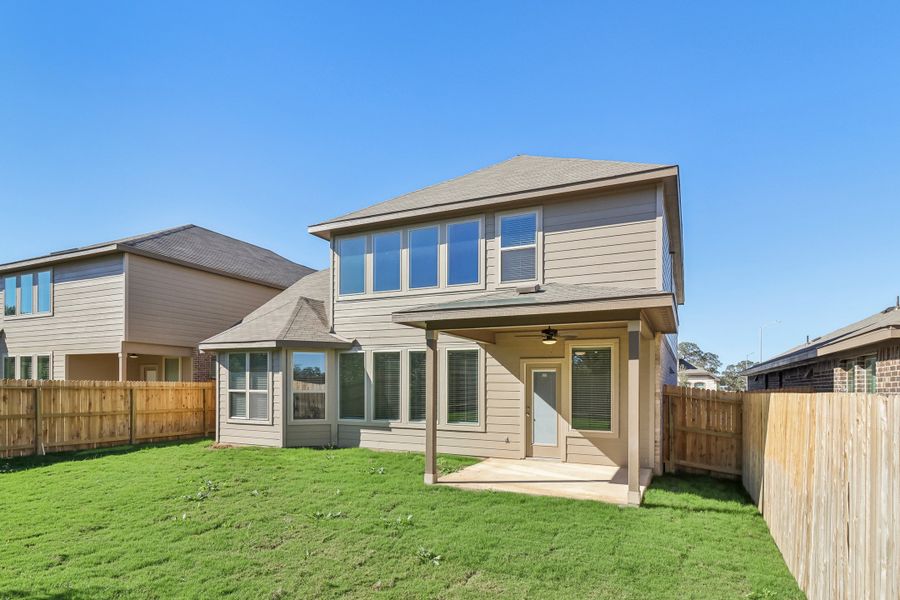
416,385
171,369
43,368
26,284
352,385
462,386
9,295
259,371
423,257
543,407
592,389
237,371
25,368
352,255
308,385
237,403
386,375
387,261
44,281
462,252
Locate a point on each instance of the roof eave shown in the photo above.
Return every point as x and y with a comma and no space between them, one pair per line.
336,344
326,230
54,259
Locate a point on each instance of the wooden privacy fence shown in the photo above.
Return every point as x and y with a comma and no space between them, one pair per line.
53,416
702,430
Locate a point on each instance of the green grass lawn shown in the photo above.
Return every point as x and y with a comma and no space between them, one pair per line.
186,520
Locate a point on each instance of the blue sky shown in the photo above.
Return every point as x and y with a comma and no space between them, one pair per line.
257,119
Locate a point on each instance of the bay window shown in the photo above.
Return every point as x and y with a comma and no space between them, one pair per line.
462,387
386,386
308,386
248,386
352,385
592,388
352,255
386,250
463,252
423,257
518,247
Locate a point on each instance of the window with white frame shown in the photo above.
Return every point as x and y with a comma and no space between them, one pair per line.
352,266
462,387
518,247
28,293
352,385
386,263
416,385
463,252
423,257
308,386
592,388
25,367
386,386
248,385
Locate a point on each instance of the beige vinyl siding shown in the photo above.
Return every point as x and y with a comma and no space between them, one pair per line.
232,431
603,240
178,306
668,280
88,314
318,434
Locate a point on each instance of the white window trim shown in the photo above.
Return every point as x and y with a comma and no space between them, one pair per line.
443,416
615,399
538,246
228,389
367,254
289,394
366,389
176,358
370,397
408,261
370,256
34,298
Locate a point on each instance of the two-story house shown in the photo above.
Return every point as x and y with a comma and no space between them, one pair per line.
527,309
132,309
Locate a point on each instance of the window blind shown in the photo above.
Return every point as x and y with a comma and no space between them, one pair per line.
352,385
416,385
518,247
386,375
462,386
592,389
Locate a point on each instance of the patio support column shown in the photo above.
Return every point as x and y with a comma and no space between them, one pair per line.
431,393
634,428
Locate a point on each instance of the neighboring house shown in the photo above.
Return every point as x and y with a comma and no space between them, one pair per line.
862,357
695,377
527,309
134,308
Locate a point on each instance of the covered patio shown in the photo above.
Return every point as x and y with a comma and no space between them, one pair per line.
630,320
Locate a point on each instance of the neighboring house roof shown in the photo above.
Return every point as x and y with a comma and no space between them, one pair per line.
519,180
881,326
688,369
297,316
191,246
551,299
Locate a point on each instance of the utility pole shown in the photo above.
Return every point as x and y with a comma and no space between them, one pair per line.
761,328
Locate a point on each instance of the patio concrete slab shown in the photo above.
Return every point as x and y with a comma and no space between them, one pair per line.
547,478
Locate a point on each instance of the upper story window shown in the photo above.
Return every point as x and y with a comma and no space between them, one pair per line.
423,257
463,252
518,247
352,254
28,294
386,248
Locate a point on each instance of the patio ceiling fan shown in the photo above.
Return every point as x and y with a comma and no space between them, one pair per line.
548,336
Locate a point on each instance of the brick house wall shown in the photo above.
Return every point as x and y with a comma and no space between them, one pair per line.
202,364
832,375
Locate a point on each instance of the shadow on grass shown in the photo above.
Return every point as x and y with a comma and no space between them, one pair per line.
698,493
33,595
22,463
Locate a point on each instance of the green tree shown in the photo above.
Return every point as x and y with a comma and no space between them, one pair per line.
692,353
731,379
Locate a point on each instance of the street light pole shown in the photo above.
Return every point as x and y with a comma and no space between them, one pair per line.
761,337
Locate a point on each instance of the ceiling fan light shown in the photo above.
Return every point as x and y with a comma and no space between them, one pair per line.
549,340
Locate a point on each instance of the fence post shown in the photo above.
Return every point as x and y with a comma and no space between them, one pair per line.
37,396
132,421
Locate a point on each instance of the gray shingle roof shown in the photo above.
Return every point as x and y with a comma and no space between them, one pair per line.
518,174
201,248
885,319
298,316
551,293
